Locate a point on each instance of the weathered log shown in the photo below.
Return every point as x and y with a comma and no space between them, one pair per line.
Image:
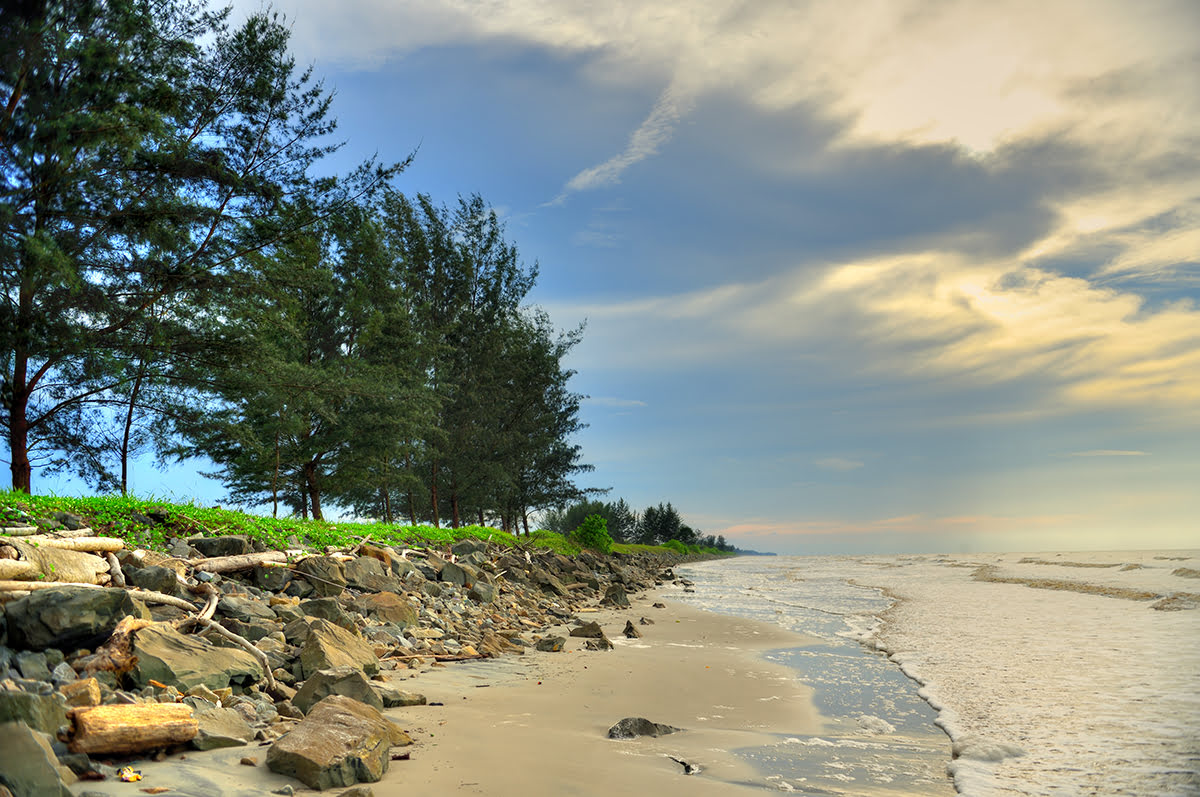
226,564
114,570
32,585
84,544
17,569
115,655
131,728
18,531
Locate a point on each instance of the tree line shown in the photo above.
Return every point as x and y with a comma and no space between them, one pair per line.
178,279
655,525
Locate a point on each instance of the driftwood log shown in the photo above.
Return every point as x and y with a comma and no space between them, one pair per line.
84,544
115,655
132,728
17,569
228,564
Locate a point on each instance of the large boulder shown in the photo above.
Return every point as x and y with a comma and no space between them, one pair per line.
165,655
329,646
340,743
67,618
615,596
326,574
459,574
328,609
346,681
387,607
28,766
155,578
245,609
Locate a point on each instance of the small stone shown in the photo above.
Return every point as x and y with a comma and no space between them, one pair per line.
248,761
633,727
550,644
588,630
631,631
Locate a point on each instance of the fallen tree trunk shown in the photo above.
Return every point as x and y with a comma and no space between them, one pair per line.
16,569
131,729
83,544
227,564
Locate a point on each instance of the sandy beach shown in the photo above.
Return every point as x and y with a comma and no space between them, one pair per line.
537,723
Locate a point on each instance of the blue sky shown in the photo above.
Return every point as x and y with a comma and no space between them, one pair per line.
872,276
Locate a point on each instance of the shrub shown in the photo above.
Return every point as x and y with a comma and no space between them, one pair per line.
593,533
676,546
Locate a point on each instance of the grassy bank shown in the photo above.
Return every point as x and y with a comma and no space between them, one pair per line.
147,523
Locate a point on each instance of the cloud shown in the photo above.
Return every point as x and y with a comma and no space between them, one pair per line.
1106,452
838,464
609,401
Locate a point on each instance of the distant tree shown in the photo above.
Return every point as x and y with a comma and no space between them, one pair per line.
659,524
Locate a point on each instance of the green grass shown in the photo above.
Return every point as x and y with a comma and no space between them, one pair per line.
125,517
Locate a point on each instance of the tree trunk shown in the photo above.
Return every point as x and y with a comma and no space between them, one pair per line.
275,480
525,521
481,516
133,397
131,728
18,437
314,490
412,504
455,522
433,496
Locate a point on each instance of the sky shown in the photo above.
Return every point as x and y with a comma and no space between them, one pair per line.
897,276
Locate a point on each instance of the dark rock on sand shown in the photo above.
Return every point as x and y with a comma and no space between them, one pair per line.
340,743
67,617
615,596
588,630
550,644
631,630
346,681
218,727
395,697
633,727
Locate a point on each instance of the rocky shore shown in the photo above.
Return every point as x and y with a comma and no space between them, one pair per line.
217,642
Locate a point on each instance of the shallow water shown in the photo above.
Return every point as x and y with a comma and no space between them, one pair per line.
879,736
1053,674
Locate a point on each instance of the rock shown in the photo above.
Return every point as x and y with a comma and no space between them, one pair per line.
387,607
603,643
458,574
394,697
659,605
358,791
482,592
370,574
32,665
45,713
327,576
633,727
588,630
615,596
218,727
645,621
550,644
85,692
328,609
272,579
67,617
155,578
329,646
631,631
244,609
468,546
346,681
340,743
165,655
230,545
28,766
548,582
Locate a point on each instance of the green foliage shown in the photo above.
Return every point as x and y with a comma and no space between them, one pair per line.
593,533
675,545
622,522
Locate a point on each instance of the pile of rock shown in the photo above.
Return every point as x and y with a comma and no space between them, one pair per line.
217,642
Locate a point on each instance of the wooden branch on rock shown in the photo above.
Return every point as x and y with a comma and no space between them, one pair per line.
114,570
131,728
116,654
228,564
241,642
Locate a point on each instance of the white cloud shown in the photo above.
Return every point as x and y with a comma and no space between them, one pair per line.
1107,452
838,464
609,401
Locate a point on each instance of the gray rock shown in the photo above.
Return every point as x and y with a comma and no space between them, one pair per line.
45,713
550,644
387,607
370,574
165,655
253,630
358,791
287,612
330,646
28,766
459,574
615,596
244,609
631,631
218,727
155,578
603,643
327,576
482,592
32,664
71,521
230,545
340,743
588,630
633,727
395,697
272,579
468,546
63,673
328,609
548,582
67,617
346,681
296,632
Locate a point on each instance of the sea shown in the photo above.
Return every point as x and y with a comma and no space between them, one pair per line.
1048,674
